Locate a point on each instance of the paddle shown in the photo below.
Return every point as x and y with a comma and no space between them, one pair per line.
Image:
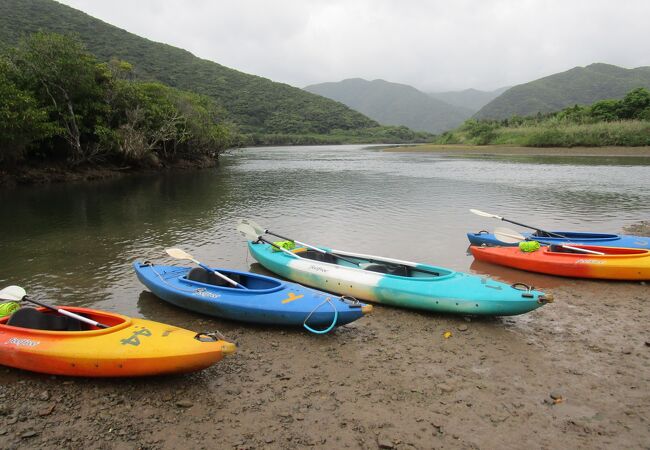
511,236
182,254
246,228
250,234
260,231
494,216
16,294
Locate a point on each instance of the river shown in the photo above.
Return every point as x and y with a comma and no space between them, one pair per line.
74,243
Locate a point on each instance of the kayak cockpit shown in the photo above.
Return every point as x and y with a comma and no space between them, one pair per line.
248,280
373,264
604,251
574,235
42,319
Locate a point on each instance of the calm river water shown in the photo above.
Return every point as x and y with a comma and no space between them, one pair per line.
74,243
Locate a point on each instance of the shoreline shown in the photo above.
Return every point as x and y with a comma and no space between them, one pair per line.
30,175
528,151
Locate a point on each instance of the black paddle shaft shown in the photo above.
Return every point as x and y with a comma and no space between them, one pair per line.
550,233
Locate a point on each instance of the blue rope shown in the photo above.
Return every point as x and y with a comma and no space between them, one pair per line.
328,329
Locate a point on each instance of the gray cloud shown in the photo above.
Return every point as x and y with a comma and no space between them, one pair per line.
432,45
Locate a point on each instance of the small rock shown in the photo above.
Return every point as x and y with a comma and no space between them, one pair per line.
444,387
627,351
3,432
385,443
28,434
184,404
462,327
44,396
269,440
557,396
47,410
166,397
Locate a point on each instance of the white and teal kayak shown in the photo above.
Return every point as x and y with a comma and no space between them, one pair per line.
398,283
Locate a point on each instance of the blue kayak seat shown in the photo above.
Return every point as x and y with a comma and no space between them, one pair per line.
201,275
36,320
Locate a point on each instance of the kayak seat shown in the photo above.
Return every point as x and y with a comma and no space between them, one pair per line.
36,320
379,268
201,275
318,256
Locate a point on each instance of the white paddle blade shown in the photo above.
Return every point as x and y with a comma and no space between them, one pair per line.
484,214
248,231
508,236
178,253
12,293
254,225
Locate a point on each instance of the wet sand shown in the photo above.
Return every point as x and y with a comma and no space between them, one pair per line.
574,374
531,151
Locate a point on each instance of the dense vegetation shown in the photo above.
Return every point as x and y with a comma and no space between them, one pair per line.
624,122
59,103
394,104
580,85
262,109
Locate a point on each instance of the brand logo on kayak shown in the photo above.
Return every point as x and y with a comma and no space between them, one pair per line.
318,269
134,339
23,342
589,261
203,293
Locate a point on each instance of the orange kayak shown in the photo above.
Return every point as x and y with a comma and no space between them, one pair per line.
614,264
128,347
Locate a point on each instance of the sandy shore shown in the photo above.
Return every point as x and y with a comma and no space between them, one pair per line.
505,150
574,374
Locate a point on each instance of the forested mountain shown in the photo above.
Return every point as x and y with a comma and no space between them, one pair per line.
256,104
394,104
472,99
578,86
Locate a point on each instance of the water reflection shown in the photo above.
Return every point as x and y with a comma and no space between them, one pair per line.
75,243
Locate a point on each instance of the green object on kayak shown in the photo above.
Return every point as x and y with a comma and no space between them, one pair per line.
8,308
529,246
287,245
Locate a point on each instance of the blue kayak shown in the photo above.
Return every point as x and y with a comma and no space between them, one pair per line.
573,237
266,300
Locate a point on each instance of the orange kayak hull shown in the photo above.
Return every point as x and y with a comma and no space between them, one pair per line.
615,264
130,347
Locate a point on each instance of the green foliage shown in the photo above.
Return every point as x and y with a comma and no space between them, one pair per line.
578,86
60,102
21,120
624,122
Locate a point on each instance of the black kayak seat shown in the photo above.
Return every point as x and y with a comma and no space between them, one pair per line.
201,275
318,256
379,268
36,320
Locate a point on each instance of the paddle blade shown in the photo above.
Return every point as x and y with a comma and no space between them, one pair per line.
254,225
12,293
484,214
508,236
248,231
178,253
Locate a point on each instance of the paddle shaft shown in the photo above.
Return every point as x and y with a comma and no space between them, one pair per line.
550,233
66,313
220,275
320,250
578,249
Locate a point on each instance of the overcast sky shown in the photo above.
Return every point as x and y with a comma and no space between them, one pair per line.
432,45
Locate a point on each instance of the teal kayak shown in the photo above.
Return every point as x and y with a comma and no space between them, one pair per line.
399,283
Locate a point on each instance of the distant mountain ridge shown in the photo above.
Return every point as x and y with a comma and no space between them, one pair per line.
580,85
394,104
472,99
256,104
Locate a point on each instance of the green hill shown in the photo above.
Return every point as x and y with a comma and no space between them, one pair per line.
256,104
578,86
472,99
394,104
